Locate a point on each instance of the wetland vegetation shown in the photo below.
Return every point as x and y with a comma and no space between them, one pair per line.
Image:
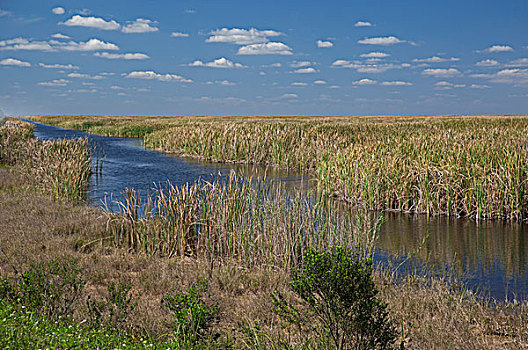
201,269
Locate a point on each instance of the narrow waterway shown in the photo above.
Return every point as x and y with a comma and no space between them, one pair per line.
491,256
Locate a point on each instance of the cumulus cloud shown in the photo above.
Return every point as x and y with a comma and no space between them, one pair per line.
375,54
85,76
54,45
299,64
319,82
381,40
60,36
487,63
150,75
521,62
508,76
123,56
396,83
362,67
479,86
56,82
241,36
90,45
297,83
221,82
218,63
441,72
364,82
269,48
362,24
288,96
58,66
140,25
436,59
446,85
4,13
179,35
324,44
307,70
497,48
58,10
272,65
14,62
91,22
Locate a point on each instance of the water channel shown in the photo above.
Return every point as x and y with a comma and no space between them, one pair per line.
491,256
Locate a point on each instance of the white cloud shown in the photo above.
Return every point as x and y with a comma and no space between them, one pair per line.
324,44
179,35
58,66
124,56
362,24
446,85
375,54
269,48
224,82
115,87
25,44
441,72
369,67
92,22
299,64
521,62
150,75
288,96
56,82
273,65
60,36
54,45
140,25
4,13
498,48
487,63
396,83
478,86
14,62
382,40
297,83
436,59
364,82
307,70
218,63
241,36
334,87
508,76
85,76
58,10
319,82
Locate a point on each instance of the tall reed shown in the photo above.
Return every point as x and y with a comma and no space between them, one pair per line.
252,223
61,167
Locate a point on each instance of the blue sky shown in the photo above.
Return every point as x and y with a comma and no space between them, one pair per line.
263,58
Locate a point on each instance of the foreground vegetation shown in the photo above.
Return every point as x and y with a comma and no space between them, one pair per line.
474,167
186,276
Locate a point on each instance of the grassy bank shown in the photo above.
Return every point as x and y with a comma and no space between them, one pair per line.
461,166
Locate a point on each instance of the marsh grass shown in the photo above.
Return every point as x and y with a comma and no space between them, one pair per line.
461,166
61,166
255,223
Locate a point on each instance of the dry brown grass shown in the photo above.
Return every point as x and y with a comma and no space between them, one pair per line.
34,229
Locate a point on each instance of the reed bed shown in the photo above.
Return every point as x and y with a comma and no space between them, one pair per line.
249,223
474,167
61,167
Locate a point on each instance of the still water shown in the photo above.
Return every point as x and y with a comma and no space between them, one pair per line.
491,256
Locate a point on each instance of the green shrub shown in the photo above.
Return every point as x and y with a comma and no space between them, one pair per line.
193,316
337,288
51,288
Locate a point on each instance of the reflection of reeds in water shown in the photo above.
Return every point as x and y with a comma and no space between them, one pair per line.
61,166
253,224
